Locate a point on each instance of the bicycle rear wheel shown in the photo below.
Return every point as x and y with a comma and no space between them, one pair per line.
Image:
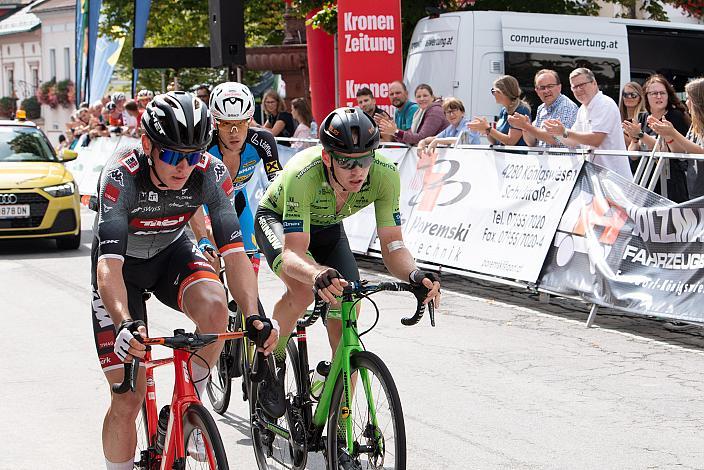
204,449
378,430
271,450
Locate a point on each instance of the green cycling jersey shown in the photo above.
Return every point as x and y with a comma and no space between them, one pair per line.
302,194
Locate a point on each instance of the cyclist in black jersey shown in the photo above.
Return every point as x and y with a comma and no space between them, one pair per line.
145,200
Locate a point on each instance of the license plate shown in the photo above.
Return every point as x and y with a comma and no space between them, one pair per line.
15,211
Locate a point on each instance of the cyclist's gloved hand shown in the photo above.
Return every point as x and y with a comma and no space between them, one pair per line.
428,280
129,339
328,284
207,247
263,331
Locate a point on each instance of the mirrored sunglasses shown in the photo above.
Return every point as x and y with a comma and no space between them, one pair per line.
173,157
348,163
630,95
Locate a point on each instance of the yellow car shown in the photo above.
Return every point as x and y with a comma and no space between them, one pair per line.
38,196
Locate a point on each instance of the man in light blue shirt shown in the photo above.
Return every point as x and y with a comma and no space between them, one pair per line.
555,106
405,108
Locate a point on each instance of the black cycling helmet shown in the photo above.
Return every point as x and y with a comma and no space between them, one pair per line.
338,128
177,121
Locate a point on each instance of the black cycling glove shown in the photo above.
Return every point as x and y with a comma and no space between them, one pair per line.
324,278
416,277
260,336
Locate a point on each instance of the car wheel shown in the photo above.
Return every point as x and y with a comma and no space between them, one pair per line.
71,242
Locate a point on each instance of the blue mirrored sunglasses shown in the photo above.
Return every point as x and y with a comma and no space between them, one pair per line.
348,163
173,157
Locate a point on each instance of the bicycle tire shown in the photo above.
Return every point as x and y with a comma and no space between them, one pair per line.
202,440
219,386
390,419
279,453
142,427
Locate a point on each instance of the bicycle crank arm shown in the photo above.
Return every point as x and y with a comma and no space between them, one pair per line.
262,422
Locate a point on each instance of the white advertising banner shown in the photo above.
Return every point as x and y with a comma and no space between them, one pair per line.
91,160
483,210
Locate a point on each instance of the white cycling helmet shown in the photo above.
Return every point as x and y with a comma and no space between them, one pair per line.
145,94
231,101
118,96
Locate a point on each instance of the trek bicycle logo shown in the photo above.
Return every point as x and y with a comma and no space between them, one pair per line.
160,223
436,182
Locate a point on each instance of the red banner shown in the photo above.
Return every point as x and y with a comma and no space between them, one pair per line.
369,49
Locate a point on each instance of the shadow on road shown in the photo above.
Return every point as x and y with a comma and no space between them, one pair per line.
42,248
643,326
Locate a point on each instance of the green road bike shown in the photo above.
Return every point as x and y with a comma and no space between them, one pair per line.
359,405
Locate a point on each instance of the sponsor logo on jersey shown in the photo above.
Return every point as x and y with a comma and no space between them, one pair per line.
204,162
106,208
142,196
131,163
106,339
271,167
312,164
193,265
116,175
292,226
161,223
153,197
220,171
236,234
111,193
227,186
109,242
397,218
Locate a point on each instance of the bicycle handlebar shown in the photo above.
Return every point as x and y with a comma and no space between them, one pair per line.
362,288
180,340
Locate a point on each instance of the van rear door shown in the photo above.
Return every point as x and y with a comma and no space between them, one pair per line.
432,55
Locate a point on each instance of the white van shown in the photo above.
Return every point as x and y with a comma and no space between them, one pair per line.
461,54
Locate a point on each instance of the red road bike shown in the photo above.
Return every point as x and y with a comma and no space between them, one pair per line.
191,439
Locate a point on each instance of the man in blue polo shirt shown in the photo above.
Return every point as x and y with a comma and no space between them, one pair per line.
405,108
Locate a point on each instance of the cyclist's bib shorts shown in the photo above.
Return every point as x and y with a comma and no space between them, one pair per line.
328,244
167,274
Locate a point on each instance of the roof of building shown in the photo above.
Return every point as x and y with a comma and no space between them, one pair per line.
53,5
22,21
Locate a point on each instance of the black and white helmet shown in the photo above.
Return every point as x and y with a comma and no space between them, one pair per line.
145,94
231,101
178,121
118,96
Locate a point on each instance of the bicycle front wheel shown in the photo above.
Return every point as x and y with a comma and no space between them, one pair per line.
204,449
378,430
220,380
140,460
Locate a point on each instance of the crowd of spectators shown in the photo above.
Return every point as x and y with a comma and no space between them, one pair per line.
112,115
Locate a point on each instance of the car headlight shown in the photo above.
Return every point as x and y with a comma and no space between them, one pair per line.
61,190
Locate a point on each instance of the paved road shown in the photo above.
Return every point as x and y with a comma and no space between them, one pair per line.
503,382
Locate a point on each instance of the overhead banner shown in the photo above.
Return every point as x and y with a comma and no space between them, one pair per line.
141,18
623,246
483,210
369,49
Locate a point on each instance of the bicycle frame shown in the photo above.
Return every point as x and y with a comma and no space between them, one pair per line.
341,364
184,395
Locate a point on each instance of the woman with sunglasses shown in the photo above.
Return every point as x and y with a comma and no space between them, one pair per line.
146,197
240,147
631,106
507,93
299,221
662,104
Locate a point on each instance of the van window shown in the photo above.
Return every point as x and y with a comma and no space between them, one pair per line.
523,66
665,51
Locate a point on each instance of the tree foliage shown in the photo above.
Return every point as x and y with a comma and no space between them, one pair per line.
184,23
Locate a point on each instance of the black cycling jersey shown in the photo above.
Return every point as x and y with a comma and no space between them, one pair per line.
137,219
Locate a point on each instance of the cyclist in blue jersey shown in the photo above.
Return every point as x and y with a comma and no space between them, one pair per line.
240,146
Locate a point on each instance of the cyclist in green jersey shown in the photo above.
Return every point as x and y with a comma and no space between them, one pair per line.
299,226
